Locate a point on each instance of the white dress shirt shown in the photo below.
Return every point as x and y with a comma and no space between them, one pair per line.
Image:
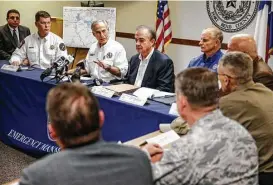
113,54
142,68
16,31
40,51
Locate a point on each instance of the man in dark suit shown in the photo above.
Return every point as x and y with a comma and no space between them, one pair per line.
150,68
11,34
75,124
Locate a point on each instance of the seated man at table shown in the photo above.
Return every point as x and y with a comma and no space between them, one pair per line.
150,68
210,43
216,150
41,48
249,103
11,34
106,58
75,123
245,43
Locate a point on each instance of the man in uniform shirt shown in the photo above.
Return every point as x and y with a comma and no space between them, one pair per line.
210,43
11,34
216,150
250,104
150,68
245,43
106,58
40,48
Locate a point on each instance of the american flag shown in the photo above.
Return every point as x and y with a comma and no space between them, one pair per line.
163,25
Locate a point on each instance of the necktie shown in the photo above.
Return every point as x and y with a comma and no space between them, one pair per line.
15,38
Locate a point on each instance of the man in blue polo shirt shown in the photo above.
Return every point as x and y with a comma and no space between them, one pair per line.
210,43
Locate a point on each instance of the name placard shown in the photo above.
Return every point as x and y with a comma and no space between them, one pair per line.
132,99
173,110
102,91
10,67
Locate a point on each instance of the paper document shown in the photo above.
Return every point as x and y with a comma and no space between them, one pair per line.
164,139
122,88
159,94
85,78
145,93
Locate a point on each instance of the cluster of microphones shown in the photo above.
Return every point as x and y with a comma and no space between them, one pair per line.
59,69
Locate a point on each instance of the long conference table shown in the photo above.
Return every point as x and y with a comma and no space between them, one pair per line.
23,119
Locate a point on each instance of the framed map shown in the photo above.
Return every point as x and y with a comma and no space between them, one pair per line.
77,24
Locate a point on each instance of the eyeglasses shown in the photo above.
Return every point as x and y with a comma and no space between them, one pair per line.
14,17
226,75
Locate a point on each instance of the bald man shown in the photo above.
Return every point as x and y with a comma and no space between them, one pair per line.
210,44
245,43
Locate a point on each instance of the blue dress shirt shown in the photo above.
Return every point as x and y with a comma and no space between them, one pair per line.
210,62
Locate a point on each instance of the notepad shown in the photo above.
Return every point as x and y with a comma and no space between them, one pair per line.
164,139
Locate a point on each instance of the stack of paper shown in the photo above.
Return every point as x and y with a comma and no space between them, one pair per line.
122,88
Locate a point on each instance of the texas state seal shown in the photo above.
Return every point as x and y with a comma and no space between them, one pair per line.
232,16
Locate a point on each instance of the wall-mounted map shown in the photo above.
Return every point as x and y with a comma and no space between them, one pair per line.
77,24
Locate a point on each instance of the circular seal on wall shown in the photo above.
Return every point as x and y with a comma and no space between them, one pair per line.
232,16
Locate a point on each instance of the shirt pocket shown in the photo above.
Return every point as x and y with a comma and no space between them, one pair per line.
50,54
32,55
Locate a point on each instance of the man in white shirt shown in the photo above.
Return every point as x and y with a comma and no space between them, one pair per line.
40,48
106,58
150,68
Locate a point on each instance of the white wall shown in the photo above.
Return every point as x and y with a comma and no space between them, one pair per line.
28,9
188,18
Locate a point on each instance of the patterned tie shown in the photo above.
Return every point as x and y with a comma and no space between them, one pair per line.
15,38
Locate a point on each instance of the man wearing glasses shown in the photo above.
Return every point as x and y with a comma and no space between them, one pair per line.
250,104
40,48
11,34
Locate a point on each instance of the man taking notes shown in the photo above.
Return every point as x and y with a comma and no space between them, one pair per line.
41,48
216,150
11,34
76,122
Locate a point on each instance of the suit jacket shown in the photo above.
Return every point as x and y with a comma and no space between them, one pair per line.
252,106
98,163
262,73
7,44
158,75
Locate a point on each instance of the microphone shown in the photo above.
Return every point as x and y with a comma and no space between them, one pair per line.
62,64
97,82
59,65
76,75
46,73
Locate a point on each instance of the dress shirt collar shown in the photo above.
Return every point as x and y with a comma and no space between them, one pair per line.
148,56
45,38
245,86
105,45
211,58
11,29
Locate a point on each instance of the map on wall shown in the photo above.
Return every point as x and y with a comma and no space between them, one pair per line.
77,24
